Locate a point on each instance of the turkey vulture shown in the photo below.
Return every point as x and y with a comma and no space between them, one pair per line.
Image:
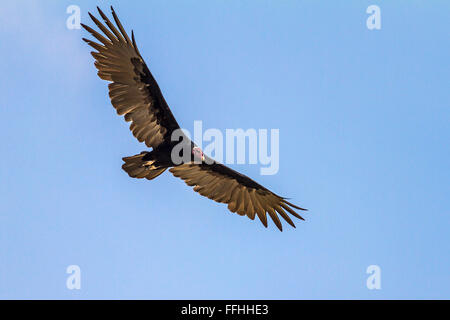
135,94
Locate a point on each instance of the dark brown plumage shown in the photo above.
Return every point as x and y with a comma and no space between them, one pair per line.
135,94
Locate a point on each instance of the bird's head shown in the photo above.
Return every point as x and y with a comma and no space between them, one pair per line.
198,154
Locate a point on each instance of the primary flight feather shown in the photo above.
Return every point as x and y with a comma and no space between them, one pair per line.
135,94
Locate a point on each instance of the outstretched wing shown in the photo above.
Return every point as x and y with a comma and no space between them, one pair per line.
243,195
133,91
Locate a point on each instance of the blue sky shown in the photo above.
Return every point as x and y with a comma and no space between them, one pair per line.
364,129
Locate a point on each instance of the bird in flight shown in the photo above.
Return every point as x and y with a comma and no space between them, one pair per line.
135,94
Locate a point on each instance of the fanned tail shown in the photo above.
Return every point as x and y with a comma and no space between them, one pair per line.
136,167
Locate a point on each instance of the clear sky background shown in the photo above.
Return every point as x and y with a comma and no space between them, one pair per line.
364,119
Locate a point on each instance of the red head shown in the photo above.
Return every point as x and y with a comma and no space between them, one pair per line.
198,154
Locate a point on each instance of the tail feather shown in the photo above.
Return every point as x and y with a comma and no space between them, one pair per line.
136,167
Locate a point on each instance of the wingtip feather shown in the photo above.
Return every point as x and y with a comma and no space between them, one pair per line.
294,206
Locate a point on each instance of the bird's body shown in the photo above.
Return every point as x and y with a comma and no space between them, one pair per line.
135,94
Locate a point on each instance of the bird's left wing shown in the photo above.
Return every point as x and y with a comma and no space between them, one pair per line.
243,195
134,92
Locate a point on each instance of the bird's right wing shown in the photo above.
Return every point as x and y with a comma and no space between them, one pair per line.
133,91
243,195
